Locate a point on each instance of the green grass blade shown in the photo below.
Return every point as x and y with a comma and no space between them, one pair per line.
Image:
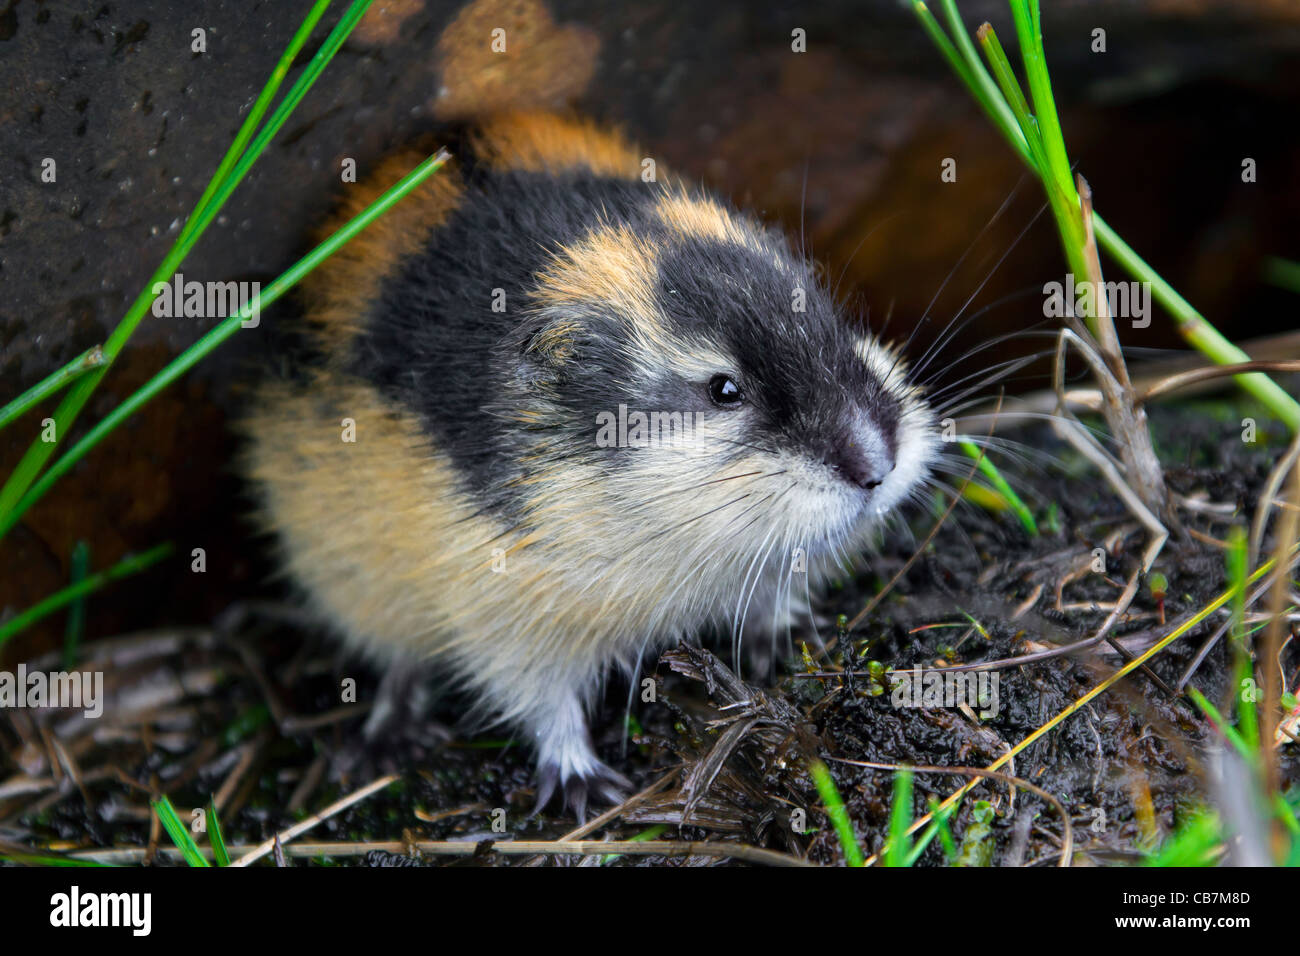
179,833
941,817
1194,844
92,358
216,837
1229,732
228,327
1045,134
938,828
1247,716
1029,32
1035,152
1013,96
1286,813
835,810
900,818
203,217
980,83
132,564
990,471
945,45
245,723
650,833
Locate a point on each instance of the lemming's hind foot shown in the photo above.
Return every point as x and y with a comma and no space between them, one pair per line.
402,704
398,720
567,764
601,781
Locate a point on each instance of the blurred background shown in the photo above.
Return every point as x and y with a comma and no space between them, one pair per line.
842,143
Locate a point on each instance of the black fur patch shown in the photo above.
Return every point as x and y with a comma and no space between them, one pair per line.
433,341
798,369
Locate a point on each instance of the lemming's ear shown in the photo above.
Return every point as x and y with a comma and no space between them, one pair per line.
548,346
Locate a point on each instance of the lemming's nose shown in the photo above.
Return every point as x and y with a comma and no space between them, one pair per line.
860,463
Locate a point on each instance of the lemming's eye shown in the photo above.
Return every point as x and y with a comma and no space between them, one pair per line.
724,391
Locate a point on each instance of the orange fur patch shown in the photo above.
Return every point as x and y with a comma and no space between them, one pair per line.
546,142
342,289
499,55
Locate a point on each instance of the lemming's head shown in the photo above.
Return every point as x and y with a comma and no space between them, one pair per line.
688,357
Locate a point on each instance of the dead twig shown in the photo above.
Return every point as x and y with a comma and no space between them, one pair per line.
1191,377
614,812
669,848
337,806
1214,638
311,779
1267,498
1288,531
1122,408
1037,405
247,757
1072,430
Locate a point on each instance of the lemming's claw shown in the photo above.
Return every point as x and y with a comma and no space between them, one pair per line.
602,782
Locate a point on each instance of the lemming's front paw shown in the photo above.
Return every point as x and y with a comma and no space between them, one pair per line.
574,789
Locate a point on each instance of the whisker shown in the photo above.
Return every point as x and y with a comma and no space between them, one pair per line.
1034,331
856,249
962,258
930,352
958,390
